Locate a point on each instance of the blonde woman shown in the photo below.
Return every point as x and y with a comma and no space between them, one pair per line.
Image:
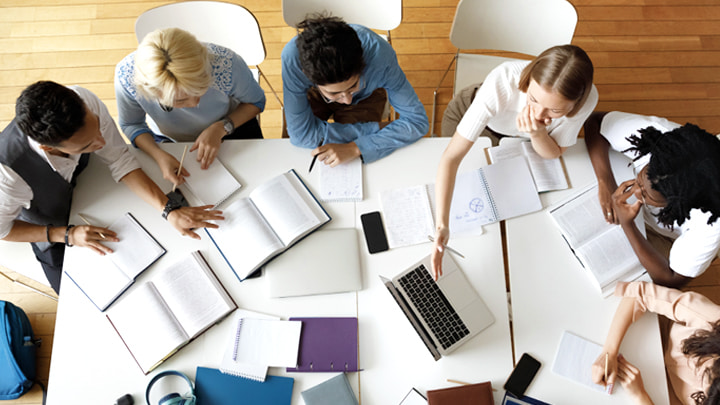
191,92
545,100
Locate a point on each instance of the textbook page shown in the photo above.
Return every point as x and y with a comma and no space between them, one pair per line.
211,186
574,359
100,280
343,182
193,293
407,214
580,218
244,238
136,250
146,326
288,207
548,174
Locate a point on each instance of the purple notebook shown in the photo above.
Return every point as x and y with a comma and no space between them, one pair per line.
328,344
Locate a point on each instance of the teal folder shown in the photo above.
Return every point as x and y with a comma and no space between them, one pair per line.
212,387
335,391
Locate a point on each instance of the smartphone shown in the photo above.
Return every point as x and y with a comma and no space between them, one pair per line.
522,375
374,232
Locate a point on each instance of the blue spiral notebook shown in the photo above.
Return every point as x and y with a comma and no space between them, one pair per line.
212,387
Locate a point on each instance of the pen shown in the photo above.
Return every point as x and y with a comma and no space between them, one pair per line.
88,223
314,159
446,247
606,366
182,159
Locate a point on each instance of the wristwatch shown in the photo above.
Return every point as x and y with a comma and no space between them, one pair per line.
228,125
171,205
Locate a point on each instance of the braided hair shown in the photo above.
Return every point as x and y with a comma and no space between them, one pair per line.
684,167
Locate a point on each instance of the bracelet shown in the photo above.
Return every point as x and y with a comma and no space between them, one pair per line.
67,233
47,232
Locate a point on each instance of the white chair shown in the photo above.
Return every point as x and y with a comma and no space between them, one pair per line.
374,14
520,26
224,24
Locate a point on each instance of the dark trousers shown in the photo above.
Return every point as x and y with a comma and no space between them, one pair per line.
51,261
248,130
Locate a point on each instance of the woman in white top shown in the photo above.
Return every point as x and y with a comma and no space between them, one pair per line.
545,100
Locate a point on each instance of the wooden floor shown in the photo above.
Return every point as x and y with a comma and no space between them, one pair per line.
659,57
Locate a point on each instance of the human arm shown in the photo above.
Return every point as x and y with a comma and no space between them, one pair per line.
444,186
656,264
599,148
184,219
82,235
168,163
631,380
208,142
611,349
541,141
242,90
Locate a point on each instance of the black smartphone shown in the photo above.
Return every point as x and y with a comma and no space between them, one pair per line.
374,232
522,375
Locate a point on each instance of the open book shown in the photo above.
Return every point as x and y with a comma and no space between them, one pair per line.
174,306
486,195
104,278
548,174
275,215
602,248
211,186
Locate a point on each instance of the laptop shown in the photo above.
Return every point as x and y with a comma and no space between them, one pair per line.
446,313
325,262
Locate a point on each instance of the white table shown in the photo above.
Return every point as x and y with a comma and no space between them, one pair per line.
551,293
392,355
89,363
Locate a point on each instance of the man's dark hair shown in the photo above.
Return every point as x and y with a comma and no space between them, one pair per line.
330,50
49,113
684,167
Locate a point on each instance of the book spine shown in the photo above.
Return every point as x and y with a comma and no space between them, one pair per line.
493,207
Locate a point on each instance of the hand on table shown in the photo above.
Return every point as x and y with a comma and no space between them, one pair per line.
333,154
186,219
208,144
90,237
631,380
598,371
169,167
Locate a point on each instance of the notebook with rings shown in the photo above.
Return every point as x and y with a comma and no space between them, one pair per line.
446,313
327,345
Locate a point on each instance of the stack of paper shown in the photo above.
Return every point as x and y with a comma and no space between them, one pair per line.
259,342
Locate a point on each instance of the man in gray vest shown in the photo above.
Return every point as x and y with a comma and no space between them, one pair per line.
44,149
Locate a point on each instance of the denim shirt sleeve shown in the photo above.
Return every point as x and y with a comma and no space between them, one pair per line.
131,115
383,71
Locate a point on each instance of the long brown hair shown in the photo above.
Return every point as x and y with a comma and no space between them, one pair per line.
705,345
564,69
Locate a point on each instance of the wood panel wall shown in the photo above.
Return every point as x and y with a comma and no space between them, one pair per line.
657,57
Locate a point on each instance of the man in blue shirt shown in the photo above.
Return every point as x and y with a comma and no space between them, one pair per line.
347,72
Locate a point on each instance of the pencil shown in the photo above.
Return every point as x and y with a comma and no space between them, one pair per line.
447,247
312,163
88,223
606,366
182,159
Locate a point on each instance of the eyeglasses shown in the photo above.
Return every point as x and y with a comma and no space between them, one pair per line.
166,108
352,91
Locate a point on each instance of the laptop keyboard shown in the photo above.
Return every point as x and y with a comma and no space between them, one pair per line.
434,308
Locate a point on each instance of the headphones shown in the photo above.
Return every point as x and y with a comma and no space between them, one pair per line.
172,398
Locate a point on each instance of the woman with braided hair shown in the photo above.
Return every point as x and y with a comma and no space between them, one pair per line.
678,173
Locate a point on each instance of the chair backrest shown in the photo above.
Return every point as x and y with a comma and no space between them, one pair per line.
224,24
375,14
524,26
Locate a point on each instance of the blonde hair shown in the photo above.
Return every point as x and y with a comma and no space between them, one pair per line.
566,70
169,61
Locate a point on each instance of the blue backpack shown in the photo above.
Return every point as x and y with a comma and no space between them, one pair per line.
18,351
